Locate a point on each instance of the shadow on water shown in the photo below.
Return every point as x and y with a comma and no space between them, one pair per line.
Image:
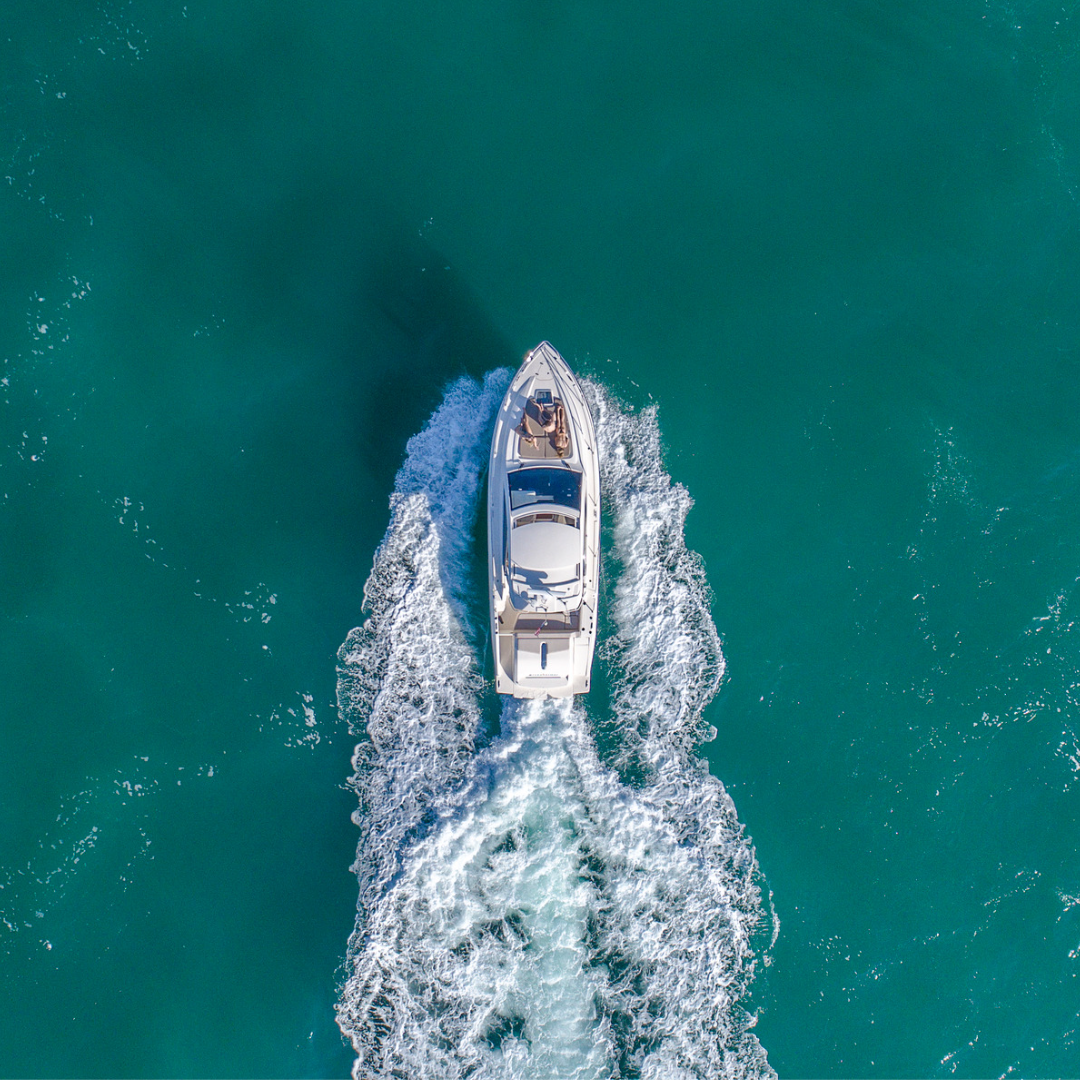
419,327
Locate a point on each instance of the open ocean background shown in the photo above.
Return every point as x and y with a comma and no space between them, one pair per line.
245,248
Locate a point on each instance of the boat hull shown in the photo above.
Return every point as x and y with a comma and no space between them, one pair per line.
543,533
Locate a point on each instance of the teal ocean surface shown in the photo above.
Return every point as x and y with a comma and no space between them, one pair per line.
264,272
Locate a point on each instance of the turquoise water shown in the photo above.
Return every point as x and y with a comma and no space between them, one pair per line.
247,248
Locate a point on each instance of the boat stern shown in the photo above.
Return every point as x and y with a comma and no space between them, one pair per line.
551,666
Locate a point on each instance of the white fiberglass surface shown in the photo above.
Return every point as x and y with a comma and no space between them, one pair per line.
545,545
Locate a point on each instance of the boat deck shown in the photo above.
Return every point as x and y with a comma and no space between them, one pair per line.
514,622
545,443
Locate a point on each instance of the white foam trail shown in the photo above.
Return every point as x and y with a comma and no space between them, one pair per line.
524,912
477,959
682,912
408,673
666,651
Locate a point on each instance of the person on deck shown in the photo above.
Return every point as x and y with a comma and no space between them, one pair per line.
560,437
544,416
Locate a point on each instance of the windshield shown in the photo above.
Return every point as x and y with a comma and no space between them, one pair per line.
528,486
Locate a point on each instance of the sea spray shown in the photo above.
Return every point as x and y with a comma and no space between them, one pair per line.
665,653
681,938
524,910
477,960
407,676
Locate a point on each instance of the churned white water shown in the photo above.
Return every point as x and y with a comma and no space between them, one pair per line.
527,910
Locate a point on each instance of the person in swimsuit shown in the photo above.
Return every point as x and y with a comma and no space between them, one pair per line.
560,437
544,417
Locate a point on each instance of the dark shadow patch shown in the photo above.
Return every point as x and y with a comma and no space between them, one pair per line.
419,327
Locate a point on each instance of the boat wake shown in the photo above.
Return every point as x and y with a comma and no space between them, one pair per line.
527,909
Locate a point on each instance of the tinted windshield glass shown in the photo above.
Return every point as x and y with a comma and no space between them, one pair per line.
562,486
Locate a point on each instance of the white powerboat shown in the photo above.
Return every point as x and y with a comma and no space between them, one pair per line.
543,532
